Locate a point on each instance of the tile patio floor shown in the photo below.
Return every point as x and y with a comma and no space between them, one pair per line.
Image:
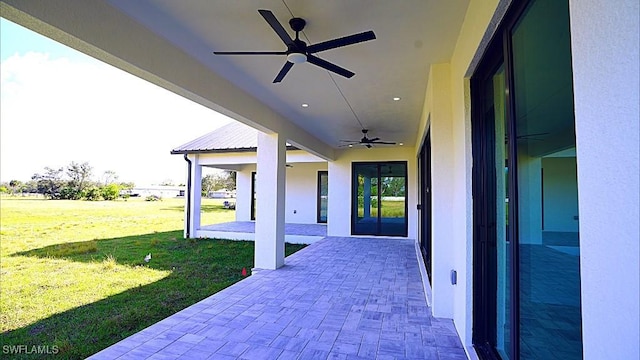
340,298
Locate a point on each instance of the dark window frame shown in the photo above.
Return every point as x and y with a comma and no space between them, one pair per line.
319,196
253,197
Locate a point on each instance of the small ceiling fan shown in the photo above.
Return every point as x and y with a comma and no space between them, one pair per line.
366,141
298,51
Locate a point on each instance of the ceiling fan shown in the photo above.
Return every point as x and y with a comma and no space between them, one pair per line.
366,141
298,51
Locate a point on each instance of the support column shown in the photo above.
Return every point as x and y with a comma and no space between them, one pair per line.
270,194
192,220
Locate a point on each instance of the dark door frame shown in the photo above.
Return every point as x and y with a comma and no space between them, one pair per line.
498,53
354,196
425,203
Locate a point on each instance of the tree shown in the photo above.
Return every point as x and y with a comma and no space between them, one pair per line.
50,183
109,177
212,182
79,175
15,186
208,184
167,182
127,185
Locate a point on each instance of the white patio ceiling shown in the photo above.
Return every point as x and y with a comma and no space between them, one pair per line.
171,43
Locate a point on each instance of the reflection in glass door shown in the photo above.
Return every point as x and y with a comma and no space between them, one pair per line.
547,187
379,199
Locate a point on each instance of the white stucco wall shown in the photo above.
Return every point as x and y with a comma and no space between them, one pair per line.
301,191
243,193
339,207
604,42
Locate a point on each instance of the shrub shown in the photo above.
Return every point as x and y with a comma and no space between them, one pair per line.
110,192
70,193
93,194
153,198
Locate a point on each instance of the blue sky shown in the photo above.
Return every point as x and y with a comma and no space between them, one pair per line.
59,105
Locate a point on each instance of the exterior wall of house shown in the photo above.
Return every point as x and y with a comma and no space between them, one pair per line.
301,191
604,44
339,207
447,115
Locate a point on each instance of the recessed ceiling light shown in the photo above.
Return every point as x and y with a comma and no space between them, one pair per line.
305,105
350,145
396,99
401,144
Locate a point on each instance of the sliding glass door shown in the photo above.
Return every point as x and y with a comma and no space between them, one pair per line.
526,239
379,199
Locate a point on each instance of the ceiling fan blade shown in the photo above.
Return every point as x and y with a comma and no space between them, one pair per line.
383,142
343,41
285,69
374,139
369,146
250,52
277,27
329,66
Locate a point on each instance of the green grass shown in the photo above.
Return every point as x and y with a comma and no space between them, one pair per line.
72,273
390,209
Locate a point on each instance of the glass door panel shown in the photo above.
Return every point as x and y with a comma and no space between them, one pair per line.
502,244
366,199
547,204
393,199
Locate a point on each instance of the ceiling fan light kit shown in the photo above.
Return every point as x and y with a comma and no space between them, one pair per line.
298,51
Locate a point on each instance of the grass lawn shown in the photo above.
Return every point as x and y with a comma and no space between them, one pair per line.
72,273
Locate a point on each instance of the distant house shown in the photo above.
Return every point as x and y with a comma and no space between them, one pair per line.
222,194
156,190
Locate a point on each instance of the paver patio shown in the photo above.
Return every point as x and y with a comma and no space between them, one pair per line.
340,298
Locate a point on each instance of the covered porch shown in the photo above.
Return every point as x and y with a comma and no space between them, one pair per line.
245,230
339,298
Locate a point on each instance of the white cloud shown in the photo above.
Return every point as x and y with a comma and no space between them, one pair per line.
54,111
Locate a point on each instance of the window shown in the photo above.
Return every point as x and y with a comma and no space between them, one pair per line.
323,195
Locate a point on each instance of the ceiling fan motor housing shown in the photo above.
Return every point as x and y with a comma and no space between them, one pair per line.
297,24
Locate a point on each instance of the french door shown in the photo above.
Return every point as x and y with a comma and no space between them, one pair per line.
379,198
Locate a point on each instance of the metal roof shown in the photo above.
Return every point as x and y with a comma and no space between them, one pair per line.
233,137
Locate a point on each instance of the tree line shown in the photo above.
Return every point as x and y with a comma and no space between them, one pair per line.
71,183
